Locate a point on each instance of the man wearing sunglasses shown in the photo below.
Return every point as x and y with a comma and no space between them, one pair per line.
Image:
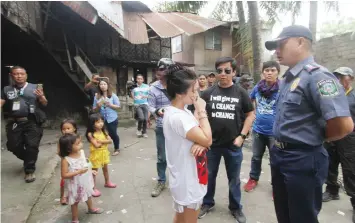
311,108
157,100
226,103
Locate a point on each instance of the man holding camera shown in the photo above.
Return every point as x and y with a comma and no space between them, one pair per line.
91,88
22,102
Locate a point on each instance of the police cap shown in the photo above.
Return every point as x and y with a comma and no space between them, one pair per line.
288,32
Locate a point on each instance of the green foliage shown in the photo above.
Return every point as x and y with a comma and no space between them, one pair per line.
180,6
223,11
273,9
242,36
245,44
331,5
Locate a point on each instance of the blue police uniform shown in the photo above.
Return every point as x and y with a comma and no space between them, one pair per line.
309,96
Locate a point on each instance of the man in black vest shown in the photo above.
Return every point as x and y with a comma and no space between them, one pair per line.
22,102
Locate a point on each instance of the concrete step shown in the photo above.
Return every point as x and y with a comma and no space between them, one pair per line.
126,123
125,115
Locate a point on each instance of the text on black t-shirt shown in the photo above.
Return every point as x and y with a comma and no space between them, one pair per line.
225,108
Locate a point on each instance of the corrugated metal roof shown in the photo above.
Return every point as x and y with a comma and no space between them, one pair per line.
132,25
110,12
205,22
170,24
85,10
135,28
159,24
188,26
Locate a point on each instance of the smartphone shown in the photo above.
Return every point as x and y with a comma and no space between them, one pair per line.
40,86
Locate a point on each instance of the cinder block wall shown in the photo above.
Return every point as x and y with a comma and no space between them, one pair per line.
336,51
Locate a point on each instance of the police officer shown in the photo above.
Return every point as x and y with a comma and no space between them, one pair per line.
341,151
310,109
22,101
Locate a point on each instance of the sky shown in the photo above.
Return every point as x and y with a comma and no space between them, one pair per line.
346,8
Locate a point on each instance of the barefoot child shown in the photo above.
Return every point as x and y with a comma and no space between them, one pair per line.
77,174
68,126
99,153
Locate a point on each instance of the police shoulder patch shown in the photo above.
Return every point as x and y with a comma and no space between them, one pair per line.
311,67
328,88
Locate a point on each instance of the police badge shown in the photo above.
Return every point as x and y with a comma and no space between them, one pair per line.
11,95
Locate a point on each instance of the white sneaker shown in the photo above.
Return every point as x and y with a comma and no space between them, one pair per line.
139,133
145,135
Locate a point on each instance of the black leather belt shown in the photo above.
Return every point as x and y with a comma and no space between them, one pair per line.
19,119
293,146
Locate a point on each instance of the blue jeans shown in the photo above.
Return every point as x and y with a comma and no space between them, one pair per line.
297,179
260,142
112,131
233,157
161,158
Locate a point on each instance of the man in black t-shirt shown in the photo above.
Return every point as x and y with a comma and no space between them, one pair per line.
91,88
225,105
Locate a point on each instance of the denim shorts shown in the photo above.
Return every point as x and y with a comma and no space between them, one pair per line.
180,208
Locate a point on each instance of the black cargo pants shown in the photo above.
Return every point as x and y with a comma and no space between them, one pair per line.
23,139
343,152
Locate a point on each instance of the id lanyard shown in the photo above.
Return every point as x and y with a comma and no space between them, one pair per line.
348,91
21,90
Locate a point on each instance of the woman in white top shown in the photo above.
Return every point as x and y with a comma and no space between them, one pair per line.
187,138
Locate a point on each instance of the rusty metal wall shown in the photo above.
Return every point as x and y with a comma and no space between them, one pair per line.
25,14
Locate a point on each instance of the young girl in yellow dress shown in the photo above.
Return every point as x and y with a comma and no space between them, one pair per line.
99,153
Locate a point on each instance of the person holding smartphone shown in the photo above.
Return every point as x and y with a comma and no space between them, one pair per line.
187,139
91,89
22,101
107,103
158,100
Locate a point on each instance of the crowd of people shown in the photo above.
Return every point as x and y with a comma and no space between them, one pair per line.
305,119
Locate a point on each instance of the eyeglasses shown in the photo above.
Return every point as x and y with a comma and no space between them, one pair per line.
226,71
161,69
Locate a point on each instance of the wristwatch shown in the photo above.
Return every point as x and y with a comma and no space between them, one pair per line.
243,136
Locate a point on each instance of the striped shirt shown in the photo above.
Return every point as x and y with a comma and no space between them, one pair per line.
156,100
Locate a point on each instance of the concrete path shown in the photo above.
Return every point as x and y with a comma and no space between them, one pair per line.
18,197
134,170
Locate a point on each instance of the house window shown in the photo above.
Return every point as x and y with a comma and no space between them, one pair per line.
213,41
176,44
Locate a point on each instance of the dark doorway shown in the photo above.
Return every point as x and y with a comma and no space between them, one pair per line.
21,48
142,71
122,78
